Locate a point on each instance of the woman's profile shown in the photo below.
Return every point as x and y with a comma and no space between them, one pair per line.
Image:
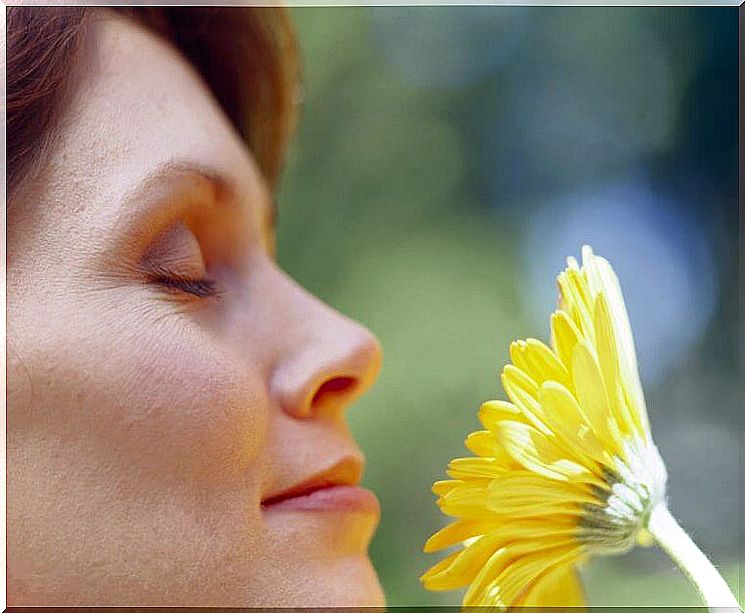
176,427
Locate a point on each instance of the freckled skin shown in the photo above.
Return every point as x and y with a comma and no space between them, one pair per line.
145,427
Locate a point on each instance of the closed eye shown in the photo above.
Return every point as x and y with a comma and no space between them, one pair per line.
202,288
175,263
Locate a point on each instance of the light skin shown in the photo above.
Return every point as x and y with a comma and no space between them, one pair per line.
148,418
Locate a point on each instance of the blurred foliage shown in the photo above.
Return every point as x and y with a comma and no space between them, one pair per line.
428,138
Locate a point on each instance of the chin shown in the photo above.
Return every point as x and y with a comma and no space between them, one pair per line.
353,582
345,582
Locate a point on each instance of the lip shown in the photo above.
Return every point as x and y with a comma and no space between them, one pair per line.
345,498
334,489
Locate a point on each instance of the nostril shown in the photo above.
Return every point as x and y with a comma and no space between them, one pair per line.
333,388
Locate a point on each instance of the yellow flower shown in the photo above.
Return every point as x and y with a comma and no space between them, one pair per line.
567,469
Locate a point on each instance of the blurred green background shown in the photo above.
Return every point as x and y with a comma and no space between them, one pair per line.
448,160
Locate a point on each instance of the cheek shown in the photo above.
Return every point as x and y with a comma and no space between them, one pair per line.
158,397
188,407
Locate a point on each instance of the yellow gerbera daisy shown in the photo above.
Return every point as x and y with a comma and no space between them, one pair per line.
566,469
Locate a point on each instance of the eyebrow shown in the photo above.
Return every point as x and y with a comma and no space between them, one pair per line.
179,171
176,173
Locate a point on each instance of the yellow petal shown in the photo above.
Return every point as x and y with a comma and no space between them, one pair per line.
494,411
609,365
484,443
536,359
430,578
474,596
462,567
564,336
485,588
559,587
440,488
455,533
538,453
466,501
477,468
576,299
523,392
517,576
528,569
592,396
567,420
490,414
521,493
603,280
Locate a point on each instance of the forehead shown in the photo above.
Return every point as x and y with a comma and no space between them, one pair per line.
139,106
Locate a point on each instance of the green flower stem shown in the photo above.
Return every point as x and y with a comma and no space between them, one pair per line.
700,571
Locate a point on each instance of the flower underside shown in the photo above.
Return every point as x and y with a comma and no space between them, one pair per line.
563,470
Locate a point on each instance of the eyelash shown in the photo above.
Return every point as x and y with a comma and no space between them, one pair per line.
202,288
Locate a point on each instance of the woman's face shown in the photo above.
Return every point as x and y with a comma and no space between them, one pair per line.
172,395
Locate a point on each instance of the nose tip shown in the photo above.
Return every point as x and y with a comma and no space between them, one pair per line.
327,375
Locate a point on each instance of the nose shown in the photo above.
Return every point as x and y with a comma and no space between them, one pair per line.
327,360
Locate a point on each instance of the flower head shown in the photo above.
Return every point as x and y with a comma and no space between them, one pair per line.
565,470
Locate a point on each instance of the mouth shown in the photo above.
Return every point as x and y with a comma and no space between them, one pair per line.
335,489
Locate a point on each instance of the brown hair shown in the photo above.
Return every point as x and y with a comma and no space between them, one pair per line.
246,55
